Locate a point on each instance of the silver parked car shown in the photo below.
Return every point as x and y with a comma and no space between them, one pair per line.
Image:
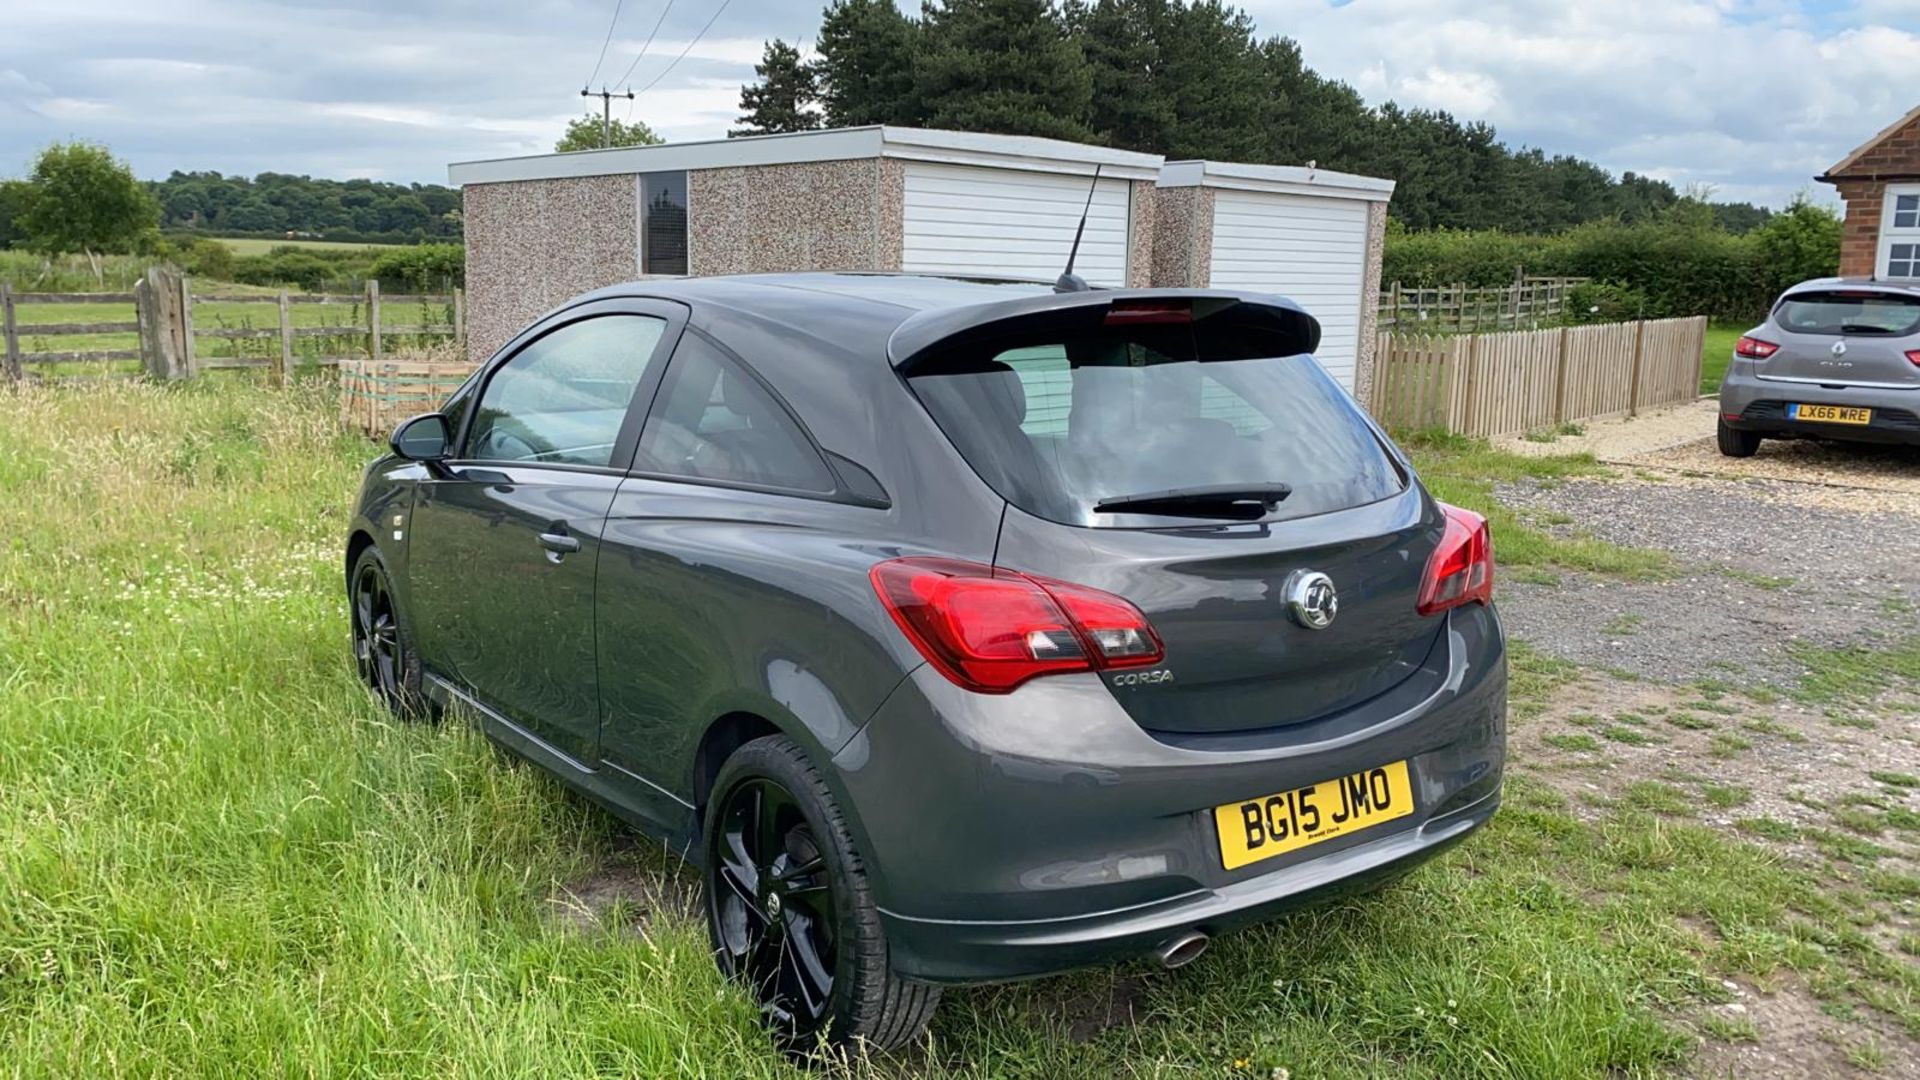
1838,358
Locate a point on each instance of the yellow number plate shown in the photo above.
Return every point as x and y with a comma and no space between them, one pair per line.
1831,414
1256,829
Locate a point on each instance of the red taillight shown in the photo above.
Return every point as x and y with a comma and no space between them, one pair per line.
1460,571
1136,312
991,630
1754,349
1913,357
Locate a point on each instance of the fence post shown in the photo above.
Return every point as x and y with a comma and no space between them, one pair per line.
1560,380
189,363
1633,383
1699,339
460,320
11,331
284,370
373,319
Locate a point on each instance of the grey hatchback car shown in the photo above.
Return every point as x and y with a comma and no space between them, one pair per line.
1837,358
958,630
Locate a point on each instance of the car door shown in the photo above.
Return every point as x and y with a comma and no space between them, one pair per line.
709,549
506,535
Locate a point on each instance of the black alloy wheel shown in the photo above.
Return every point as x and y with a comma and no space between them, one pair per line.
376,633
771,905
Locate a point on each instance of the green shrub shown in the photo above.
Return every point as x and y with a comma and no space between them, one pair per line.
1680,263
1604,301
206,258
421,268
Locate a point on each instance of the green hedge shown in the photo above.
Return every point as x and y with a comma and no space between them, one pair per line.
1681,264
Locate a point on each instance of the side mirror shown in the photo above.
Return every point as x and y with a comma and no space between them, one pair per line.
422,438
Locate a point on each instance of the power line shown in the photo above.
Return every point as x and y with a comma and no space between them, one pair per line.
645,46
615,21
689,48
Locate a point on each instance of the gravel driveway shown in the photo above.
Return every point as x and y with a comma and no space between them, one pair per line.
1762,566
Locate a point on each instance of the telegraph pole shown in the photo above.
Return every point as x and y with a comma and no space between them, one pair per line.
606,112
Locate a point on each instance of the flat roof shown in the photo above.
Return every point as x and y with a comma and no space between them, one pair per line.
833,144
1283,179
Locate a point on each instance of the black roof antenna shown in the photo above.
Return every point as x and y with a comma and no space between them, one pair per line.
1068,281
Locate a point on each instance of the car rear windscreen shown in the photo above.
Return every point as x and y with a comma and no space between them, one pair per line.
1846,311
1060,426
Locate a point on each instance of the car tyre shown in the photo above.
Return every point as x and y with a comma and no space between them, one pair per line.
1737,443
383,649
788,902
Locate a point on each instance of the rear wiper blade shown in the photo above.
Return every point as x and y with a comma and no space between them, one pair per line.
1216,500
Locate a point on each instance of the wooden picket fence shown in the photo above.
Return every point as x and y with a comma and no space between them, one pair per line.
1529,380
177,339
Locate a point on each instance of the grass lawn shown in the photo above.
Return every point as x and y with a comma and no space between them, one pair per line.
221,858
1717,353
260,245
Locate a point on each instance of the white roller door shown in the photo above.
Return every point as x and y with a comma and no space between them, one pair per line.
963,219
1311,250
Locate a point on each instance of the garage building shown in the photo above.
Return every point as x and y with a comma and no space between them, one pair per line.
543,228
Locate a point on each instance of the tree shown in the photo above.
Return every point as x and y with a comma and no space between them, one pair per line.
85,201
13,210
1003,66
1121,41
1214,78
1800,242
867,55
786,96
590,132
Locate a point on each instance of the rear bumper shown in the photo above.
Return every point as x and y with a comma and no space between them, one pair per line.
1044,830
1761,405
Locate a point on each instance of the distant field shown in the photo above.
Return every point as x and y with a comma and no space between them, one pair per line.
260,245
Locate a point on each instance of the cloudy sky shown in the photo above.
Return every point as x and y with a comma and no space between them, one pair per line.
1753,97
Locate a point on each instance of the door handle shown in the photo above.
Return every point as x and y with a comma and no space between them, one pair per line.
559,543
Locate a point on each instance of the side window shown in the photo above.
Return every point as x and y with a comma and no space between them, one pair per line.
713,421
561,400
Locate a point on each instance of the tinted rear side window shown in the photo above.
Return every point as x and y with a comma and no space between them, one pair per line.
1058,426
1850,312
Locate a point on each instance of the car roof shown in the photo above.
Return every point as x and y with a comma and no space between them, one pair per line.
1909,287
832,291
908,311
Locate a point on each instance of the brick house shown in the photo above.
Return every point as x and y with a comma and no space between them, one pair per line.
1880,182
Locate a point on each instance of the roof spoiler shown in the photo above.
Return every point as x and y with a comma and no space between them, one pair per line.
941,330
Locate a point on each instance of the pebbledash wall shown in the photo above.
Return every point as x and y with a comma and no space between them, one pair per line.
544,228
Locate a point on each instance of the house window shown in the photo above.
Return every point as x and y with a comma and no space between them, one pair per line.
1899,254
1906,211
1903,260
663,224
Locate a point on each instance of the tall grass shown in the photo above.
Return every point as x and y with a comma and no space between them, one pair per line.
219,856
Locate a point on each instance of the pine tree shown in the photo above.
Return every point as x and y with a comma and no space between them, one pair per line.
1121,41
865,71
785,97
1216,84
1003,66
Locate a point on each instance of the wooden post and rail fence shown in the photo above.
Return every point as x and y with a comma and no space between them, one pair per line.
176,333
1531,380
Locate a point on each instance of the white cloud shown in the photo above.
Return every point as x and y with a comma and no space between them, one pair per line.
1754,97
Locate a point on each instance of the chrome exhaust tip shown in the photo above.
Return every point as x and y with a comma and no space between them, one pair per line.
1181,949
